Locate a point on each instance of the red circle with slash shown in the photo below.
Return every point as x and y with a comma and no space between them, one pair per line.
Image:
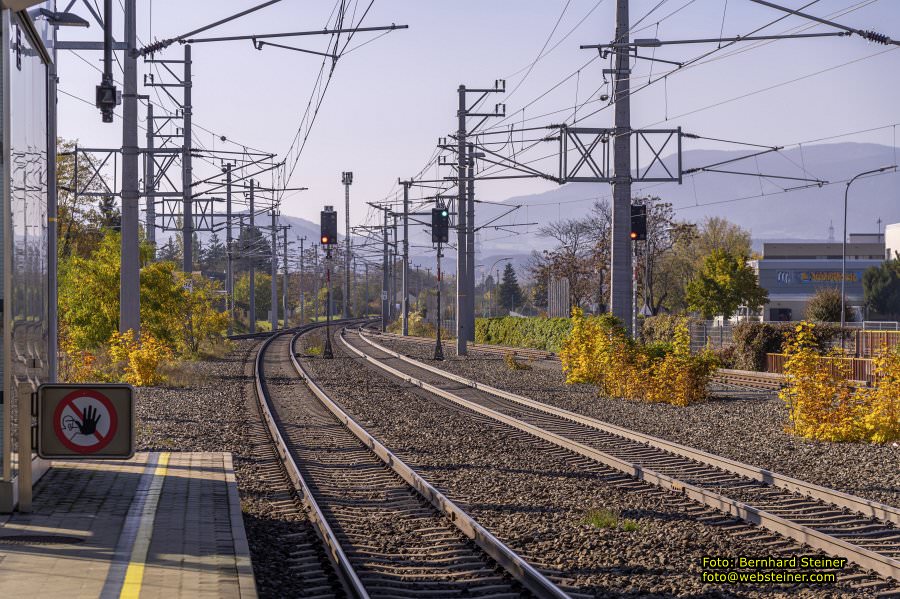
69,421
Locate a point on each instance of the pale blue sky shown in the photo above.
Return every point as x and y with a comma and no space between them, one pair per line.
390,100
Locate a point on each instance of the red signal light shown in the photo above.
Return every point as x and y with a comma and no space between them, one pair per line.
634,235
324,239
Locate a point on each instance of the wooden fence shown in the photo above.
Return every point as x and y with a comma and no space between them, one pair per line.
869,343
855,369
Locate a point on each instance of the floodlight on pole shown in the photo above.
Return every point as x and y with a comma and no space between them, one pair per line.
844,241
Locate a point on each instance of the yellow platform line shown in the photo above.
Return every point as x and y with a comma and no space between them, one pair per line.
134,575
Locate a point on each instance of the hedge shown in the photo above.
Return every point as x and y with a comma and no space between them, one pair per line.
547,334
661,328
753,340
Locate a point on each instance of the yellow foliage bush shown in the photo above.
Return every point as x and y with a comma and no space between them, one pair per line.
824,406
598,351
140,359
881,420
78,366
418,327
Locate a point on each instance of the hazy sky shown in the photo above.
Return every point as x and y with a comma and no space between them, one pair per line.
389,101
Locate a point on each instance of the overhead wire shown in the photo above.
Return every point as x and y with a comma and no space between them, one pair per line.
583,117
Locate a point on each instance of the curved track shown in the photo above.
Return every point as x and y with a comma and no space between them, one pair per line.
862,531
388,532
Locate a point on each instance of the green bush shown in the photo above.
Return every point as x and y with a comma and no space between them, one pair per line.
660,328
726,356
658,349
546,334
753,340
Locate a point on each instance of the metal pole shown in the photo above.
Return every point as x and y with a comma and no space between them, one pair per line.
316,280
274,272
470,248
405,285
251,257
328,353
438,348
366,266
284,280
150,181
462,335
634,308
108,41
385,287
187,226
302,294
844,242
348,178
844,261
129,292
394,270
621,259
229,269
52,213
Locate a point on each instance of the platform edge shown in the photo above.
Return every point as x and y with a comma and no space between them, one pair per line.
243,564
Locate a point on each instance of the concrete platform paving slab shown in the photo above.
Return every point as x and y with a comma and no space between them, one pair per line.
157,525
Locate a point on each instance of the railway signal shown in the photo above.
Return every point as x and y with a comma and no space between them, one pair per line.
440,234
328,226
638,222
440,225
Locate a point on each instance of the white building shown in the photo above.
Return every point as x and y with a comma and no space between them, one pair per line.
891,241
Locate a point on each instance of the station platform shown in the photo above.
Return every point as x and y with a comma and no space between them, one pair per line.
158,525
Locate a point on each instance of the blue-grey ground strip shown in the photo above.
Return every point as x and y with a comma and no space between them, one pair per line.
116,576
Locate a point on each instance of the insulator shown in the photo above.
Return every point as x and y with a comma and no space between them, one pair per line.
874,36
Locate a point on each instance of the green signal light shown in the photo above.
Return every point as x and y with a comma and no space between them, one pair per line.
444,213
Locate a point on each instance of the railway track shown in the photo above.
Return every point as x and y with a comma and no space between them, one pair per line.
724,379
387,531
292,561
862,531
499,350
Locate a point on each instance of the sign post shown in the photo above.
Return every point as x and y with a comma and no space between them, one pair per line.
85,421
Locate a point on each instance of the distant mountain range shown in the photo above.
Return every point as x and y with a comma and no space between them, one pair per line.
756,203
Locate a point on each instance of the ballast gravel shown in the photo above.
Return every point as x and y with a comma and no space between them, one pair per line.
217,412
748,427
539,499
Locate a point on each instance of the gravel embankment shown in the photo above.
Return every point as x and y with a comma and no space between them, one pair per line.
536,497
746,429
217,412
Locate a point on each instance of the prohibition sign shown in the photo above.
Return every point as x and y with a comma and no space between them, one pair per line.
85,421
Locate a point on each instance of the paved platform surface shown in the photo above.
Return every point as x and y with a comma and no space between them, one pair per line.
158,525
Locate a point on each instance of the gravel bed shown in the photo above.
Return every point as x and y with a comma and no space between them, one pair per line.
217,412
536,497
748,428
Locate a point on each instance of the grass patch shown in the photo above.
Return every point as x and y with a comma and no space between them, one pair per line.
216,350
182,375
629,525
313,343
604,518
509,358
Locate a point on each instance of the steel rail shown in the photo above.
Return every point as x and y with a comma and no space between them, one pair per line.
765,381
336,554
884,565
770,381
517,567
866,507
527,352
